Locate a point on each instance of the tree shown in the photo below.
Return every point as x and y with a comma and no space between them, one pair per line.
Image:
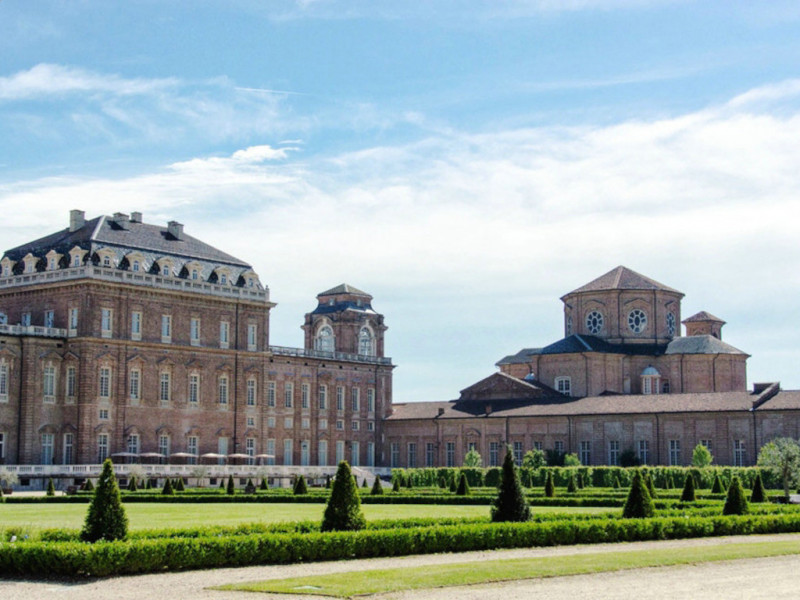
463,486
549,486
510,504
717,487
782,455
648,480
364,484
533,459
628,458
377,488
343,511
735,503
231,487
581,481
688,494
179,485
7,477
572,487
88,486
51,487
300,488
396,485
639,504
132,487
453,485
472,459
263,485
572,460
701,456
168,489
105,519
759,494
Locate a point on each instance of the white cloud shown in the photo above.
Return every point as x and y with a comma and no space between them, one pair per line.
467,241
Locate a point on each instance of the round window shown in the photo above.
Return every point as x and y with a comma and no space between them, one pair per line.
670,324
637,320
594,322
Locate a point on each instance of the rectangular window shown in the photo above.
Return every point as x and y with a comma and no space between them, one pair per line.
394,461
494,452
674,453
133,443
339,451
271,422
538,445
305,423
518,453
354,425
270,451
134,386
49,384
102,447
323,397
163,445
2,446
323,424
739,453
339,425
613,453
47,448
339,398
251,421
371,400
370,454
305,394
104,383
644,452
558,446
287,452
222,448
224,333
194,389
356,404
251,392
586,452
103,414
194,331
450,454
26,319
136,326
250,450
322,453
166,329
707,444
191,448
222,395
430,454
67,455
412,455
71,381
271,394
564,385
252,337
49,318
355,454
370,425
73,321
106,322
288,423
165,388
288,394
3,381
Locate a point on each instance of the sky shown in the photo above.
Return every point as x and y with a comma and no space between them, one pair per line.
467,163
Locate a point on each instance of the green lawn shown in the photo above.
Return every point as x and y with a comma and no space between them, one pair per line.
147,516
356,583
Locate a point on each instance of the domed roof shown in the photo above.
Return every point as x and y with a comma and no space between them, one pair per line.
623,278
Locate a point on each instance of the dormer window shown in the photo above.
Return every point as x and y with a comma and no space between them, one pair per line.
51,265
365,345
223,279
106,261
136,266
324,341
564,385
76,260
195,274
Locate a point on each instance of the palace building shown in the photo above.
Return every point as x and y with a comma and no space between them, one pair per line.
137,341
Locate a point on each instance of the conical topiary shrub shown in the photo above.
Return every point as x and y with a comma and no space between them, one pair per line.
300,488
88,486
168,489
616,484
105,519
132,487
688,494
759,494
377,488
639,504
409,482
581,481
442,483
549,486
263,485
396,485
453,487
51,487
735,503
463,486
364,483
648,479
717,487
343,511
179,485
328,482
230,489
147,484
510,504
572,486
222,484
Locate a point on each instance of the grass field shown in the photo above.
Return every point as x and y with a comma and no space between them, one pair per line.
357,583
146,516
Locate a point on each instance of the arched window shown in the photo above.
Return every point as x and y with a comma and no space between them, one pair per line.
324,339
365,342
651,380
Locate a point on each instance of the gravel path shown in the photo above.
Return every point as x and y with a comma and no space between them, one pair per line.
772,578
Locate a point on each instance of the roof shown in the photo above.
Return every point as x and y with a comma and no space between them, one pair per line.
701,344
703,316
576,343
623,278
520,358
344,288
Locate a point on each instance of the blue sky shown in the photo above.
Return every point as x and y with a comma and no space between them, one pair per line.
467,163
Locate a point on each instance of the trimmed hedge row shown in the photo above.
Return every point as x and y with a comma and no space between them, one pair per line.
173,554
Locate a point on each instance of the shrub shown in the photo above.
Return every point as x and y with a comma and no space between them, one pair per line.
549,486
453,487
327,482
88,486
222,484
493,476
179,486
442,482
688,494
147,484
717,487
168,489
510,504
628,458
231,487
463,486
377,488
639,504
572,460
51,487
782,456
105,519
759,493
396,485
472,459
263,485
572,487
132,484
533,459
649,482
701,456
735,503
616,485
343,512
300,486
581,481
409,482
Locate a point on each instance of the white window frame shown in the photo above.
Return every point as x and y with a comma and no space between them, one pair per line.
370,400
102,447
224,334
563,385
305,396
194,331
252,337
194,389
251,391
71,385
68,449
4,372
340,398
135,386
49,383
674,453
644,452
136,325
271,393
355,399
288,394
165,388
166,329
106,322
613,453
586,452
323,397
222,391
104,383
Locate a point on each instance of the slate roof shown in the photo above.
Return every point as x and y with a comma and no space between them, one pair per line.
520,358
344,288
622,278
588,343
701,344
703,316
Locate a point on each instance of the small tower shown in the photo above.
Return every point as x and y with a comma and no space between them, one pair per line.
344,321
704,323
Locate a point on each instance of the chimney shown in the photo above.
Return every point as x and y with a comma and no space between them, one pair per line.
77,219
175,229
121,219
136,217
